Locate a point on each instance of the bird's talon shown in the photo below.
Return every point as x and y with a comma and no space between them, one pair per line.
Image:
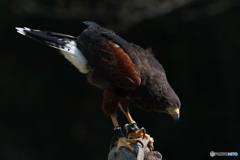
140,143
150,144
132,126
123,142
151,147
113,142
140,133
144,132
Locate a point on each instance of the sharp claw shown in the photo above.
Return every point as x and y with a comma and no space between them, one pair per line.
151,148
150,144
144,132
140,143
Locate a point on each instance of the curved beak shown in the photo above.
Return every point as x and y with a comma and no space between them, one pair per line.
176,116
174,112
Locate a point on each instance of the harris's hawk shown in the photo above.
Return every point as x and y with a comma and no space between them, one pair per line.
126,72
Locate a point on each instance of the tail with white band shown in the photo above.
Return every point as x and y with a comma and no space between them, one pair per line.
65,43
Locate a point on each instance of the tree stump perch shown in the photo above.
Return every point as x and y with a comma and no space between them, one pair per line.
141,153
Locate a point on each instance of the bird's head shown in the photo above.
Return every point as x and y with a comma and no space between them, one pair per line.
164,102
170,103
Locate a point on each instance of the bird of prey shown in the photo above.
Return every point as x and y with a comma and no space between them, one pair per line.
126,72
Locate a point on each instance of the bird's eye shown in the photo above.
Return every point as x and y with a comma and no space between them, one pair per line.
166,103
178,104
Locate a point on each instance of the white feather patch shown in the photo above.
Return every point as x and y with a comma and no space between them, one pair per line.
115,45
75,56
20,30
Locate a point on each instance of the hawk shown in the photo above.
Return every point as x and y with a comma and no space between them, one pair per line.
126,72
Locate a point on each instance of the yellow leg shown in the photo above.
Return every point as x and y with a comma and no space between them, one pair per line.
114,120
127,114
135,132
122,141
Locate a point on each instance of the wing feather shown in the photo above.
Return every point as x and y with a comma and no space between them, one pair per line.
112,63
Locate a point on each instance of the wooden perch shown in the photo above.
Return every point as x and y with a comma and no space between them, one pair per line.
142,153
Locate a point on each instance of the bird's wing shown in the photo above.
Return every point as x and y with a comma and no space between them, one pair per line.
105,52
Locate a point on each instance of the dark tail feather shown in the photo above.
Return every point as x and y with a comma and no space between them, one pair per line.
55,40
65,43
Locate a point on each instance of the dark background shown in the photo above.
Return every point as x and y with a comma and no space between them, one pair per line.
48,111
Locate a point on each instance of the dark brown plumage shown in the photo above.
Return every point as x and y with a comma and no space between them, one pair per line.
127,69
126,72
